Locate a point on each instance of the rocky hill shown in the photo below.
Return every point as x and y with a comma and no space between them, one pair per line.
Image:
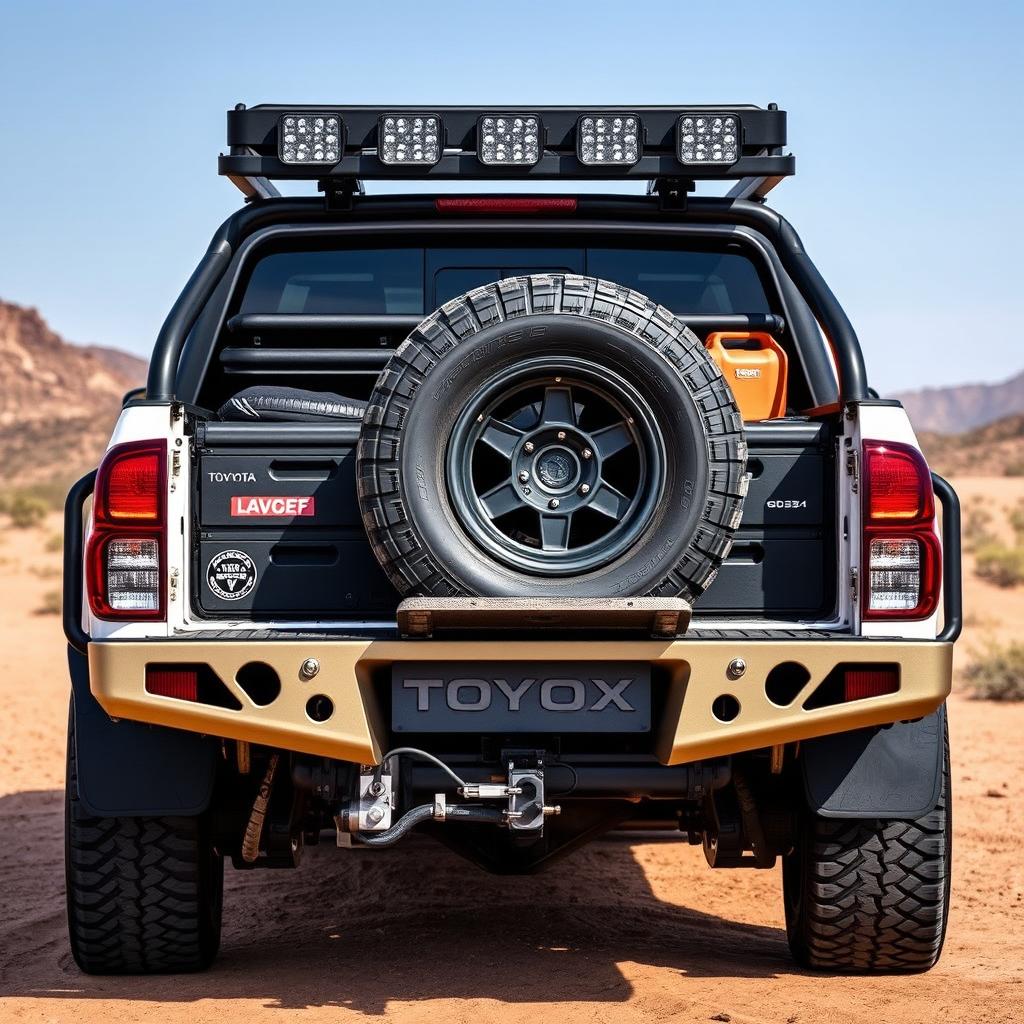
953,410
58,401
996,449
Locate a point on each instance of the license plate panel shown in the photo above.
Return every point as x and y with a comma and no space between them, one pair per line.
524,697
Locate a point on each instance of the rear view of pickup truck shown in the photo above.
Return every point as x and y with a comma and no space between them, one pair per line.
512,519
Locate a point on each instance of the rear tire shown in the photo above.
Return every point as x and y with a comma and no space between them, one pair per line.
868,896
144,894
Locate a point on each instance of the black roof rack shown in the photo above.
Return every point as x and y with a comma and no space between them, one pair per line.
257,148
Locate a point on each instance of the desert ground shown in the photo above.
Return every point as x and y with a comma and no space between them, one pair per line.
625,930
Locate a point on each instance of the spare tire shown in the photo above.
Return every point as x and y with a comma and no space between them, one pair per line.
551,436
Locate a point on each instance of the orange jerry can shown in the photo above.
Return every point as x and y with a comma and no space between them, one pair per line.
755,365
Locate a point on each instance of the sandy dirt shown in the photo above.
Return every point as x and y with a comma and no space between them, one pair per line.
625,930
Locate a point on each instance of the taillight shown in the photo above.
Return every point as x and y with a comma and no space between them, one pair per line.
902,558
124,561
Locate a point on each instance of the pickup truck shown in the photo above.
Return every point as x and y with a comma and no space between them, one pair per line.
511,518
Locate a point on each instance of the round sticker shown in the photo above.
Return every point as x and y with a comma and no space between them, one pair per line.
231,575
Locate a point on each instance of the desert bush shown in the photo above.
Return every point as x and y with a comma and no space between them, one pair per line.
999,564
1014,468
26,510
51,604
55,542
1016,518
998,674
977,518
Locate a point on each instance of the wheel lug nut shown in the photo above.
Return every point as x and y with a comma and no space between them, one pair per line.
523,476
561,435
553,503
584,488
587,453
528,447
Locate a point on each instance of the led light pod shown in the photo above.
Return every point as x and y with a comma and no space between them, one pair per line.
703,138
508,139
412,139
310,138
608,140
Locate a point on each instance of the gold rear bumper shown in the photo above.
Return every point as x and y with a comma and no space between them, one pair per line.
354,675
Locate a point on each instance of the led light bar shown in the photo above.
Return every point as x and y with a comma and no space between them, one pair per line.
409,139
608,139
508,139
708,138
310,138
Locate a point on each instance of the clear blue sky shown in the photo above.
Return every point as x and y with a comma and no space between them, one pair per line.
905,119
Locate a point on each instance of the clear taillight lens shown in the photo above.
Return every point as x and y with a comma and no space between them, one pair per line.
133,574
894,568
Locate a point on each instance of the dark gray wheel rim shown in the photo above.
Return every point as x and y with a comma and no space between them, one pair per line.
556,468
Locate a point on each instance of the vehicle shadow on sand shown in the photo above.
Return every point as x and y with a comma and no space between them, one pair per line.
364,929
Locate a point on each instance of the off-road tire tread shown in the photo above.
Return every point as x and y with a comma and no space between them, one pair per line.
410,567
875,893
143,893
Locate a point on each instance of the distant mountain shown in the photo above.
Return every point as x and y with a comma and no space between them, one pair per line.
963,407
996,449
58,401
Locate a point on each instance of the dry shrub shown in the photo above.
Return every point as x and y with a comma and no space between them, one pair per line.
999,564
998,674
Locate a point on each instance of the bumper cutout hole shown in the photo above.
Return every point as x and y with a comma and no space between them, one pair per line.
260,683
785,682
320,707
725,708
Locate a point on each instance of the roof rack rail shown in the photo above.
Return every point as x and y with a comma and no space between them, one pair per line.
340,146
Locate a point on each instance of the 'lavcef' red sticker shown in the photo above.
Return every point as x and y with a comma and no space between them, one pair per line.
249,505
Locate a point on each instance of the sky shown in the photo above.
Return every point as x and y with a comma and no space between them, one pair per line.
905,118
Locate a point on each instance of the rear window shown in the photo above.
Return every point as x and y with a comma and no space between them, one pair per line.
375,281
337,281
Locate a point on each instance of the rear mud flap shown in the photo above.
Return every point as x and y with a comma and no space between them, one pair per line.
891,771
127,769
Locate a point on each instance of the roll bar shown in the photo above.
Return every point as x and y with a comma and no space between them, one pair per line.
834,322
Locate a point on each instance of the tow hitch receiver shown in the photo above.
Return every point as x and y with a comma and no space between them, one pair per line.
526,808
367,819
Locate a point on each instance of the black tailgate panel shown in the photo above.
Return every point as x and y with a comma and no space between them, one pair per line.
311,559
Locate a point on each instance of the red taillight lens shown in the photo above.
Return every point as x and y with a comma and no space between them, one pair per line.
506,204
124,560
182,684
132,487
859,683
902,558
897,484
